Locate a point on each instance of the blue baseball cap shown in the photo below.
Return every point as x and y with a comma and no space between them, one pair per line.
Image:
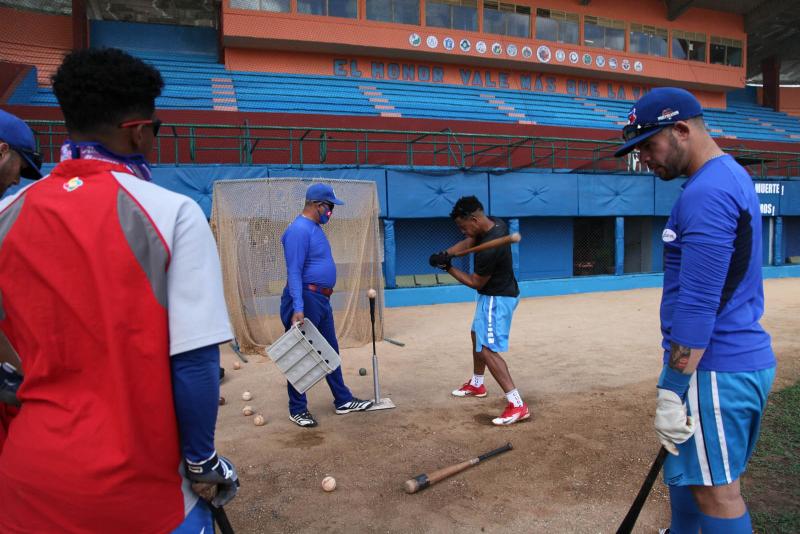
322,193
659,108
19,137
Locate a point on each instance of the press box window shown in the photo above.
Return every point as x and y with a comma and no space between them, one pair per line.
601,32
557,26
688,45
277,6
455,14
330,8
726,51
648,40
397,11
506,19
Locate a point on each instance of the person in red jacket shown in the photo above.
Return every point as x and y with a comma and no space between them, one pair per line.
112,298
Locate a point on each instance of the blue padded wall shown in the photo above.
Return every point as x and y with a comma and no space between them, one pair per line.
525,194
197,181
418,195
546,250
375,175
162,38
790,201
658,245
666,194
600,195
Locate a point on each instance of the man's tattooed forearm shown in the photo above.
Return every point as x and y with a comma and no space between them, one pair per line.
679,357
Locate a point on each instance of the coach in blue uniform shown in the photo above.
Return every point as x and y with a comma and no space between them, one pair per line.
311,275
718,359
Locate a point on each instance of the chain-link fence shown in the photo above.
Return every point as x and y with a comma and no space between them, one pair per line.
593,245
416,240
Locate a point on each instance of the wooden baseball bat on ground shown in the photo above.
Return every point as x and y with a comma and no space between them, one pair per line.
638,503
499,242
424,480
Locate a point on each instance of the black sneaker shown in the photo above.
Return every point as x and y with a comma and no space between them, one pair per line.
304,419
355,405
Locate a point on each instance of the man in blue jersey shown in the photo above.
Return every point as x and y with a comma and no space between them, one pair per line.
311,275
718,359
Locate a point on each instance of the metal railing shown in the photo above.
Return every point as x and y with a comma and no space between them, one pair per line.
248,144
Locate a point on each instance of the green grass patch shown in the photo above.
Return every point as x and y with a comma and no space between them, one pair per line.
771,485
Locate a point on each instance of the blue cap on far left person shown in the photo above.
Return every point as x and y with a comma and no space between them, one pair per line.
322,193
19,137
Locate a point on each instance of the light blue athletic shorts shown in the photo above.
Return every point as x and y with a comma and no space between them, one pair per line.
727,409
492,322
199,520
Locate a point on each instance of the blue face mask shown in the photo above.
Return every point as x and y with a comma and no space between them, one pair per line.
325,216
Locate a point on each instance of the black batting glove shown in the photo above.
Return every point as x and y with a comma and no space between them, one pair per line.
441,260
216,471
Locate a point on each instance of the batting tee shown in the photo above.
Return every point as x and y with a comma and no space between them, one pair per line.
248,218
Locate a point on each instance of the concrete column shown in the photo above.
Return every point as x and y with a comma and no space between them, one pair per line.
771,74
619,246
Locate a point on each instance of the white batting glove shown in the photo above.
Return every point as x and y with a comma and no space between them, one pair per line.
671,422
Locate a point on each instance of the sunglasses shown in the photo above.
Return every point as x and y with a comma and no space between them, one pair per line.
634,130
155,123
327,205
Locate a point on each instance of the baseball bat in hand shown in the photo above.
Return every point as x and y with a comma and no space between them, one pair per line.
638,503
424,480
494,243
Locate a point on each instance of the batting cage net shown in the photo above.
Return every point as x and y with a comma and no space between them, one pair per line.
248,218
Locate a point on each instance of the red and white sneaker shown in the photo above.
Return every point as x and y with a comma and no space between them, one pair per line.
468,390
512,414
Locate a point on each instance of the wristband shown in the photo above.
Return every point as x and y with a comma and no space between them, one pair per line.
674,381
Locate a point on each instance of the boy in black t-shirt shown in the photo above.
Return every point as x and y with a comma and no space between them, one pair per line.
498,296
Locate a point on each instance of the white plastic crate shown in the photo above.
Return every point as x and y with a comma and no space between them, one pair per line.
303,356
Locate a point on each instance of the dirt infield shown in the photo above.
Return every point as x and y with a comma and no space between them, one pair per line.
587,366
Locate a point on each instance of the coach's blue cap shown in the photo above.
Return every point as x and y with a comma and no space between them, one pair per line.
322,193
20,138
656,110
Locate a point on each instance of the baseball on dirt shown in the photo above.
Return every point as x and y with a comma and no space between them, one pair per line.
372,293
258,420
247,410
246,396
362,372
237,365
328,483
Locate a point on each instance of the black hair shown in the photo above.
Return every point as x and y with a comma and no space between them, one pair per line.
100,87
466,206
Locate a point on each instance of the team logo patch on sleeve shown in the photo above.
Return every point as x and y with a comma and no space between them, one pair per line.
72,184
669,235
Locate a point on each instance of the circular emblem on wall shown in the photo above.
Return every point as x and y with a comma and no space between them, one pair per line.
414,39
511,50
432,41
480,46
448,43
573,57
560,55
543,54
626,64
637,66
464,45
587,59
527,53
600,61
612,62
497,49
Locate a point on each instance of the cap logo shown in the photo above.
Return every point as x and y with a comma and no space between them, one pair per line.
632,115
667,114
